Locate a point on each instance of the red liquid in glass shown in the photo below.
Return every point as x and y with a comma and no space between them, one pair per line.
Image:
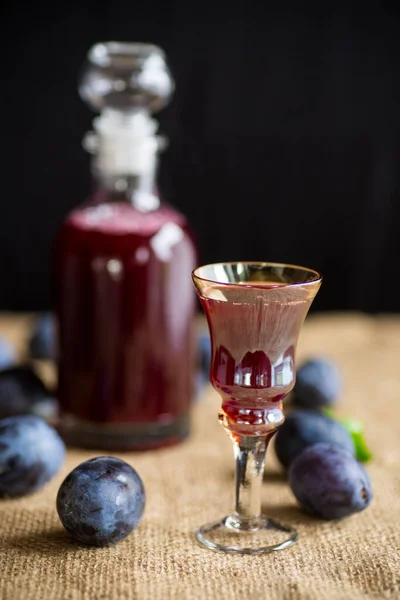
253,345
125,307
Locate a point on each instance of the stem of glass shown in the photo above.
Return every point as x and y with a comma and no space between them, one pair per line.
250,452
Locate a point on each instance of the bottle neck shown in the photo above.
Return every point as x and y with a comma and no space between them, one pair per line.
125,149
138,190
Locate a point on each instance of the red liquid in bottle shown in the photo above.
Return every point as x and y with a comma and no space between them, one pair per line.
125,306
253,343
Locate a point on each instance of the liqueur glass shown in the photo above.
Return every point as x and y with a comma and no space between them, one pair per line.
255,312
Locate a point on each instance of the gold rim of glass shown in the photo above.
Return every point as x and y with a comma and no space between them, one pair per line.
316,277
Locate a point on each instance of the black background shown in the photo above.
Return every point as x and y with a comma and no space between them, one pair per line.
284,135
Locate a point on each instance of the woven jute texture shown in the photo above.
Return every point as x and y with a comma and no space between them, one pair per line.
192,483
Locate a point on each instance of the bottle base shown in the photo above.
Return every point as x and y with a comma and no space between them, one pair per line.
122,436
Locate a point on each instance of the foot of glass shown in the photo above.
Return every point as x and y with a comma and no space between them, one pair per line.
233,535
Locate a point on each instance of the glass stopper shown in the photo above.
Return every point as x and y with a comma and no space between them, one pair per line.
127,77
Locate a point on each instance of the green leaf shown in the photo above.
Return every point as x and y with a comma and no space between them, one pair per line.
363,454
356,430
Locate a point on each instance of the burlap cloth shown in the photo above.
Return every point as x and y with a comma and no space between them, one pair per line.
193,483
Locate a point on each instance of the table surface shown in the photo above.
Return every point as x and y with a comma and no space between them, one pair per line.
192,483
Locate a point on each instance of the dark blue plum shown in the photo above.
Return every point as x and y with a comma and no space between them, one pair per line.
42,344
329,483
31,453
203,362
303,428
204,355
23,392
101,501
318,384
7,353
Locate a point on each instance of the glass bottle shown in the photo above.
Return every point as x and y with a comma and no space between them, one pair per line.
123,262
